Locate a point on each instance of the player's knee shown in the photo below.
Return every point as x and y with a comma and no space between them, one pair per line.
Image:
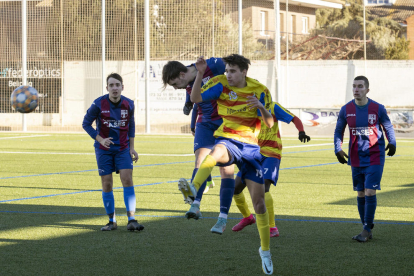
259,207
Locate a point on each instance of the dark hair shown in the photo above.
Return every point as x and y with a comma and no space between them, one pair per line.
115,76
240,61
363,78
172,70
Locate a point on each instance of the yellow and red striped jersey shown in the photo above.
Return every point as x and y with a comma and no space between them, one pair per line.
269,138
239,122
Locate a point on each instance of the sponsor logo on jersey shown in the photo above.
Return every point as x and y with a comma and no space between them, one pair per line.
362,131
372,118
124,114
350,115
206,79
106,111
114,123
232,96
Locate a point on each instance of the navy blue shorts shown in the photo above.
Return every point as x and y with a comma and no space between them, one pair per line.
367,177
111,161
270,166
245,156
204,134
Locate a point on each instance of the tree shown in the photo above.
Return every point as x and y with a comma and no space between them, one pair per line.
348,23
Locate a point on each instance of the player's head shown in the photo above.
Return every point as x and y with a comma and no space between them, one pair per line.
360,87
114,85
173,73
236,69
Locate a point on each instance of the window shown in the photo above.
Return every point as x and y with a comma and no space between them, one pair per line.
263,22
379,2
305,25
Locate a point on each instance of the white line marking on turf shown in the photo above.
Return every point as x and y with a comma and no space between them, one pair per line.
316,145
2,138
87,153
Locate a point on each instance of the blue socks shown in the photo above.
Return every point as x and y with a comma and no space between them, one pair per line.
109,204
226,195
370,206
130,200
361,208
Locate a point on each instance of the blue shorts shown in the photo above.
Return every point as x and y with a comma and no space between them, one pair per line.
245,156
367,177
204,134
111,161
270,166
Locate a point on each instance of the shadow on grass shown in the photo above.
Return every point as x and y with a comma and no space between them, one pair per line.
66,240
401,198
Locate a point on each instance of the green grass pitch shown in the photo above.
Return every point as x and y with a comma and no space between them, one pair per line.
51,211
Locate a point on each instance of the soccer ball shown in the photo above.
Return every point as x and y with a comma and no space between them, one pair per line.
24,99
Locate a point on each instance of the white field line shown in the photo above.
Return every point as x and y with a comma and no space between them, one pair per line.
87,153
3,138
316,145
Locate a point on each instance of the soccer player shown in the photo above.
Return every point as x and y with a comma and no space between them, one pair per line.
114,147
236,141
367,121
179,76
270,144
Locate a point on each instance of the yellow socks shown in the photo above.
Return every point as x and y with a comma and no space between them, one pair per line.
262,221
204,171
270,209
242,204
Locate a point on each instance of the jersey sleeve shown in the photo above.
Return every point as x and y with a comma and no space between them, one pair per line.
187,97
339,130
131,131
266,99
91,115
216,65
194,116
387,125
211,90
282,114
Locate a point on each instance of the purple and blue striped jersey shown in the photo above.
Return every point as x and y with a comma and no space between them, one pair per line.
207,111
116,121
366,133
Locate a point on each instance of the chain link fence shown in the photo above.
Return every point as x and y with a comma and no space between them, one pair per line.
64,52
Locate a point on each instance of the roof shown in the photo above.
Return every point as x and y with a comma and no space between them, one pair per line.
317,4
399,11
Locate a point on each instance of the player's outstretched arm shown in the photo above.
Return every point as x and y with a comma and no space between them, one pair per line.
299,126
253,102
201,66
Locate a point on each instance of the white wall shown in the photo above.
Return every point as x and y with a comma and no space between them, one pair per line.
311,84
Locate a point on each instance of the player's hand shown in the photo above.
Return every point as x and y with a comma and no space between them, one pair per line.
193,131
201,65
303,137
187,108
106,142
134,155
341,157
253,102
391,149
